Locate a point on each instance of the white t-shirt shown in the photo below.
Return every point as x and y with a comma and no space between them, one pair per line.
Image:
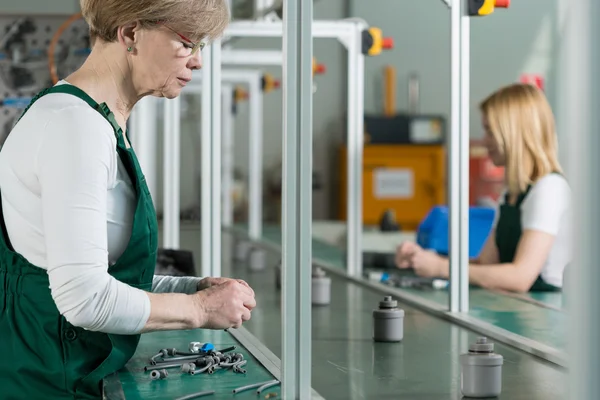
68,207
547,208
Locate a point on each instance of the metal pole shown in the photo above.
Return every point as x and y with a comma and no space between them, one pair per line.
252,57
144,138
215,134
227,161
297,199
171,204
206,158
458,160
255,172
580,87
353,207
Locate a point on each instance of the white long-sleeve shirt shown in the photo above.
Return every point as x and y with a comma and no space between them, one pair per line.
68,208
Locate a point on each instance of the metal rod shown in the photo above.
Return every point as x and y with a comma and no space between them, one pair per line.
580,96
321,29
215,134
297,199
144,138
458,161
354,211
206,168
227,130
171,203
252,57
255,170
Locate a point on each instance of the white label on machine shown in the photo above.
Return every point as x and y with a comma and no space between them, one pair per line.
425,131
393,183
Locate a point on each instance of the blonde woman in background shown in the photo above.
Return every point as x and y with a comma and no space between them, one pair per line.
79,233
529,245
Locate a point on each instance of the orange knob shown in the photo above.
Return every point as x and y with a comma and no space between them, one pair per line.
502,3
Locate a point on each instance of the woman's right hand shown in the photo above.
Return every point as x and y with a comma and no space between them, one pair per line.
404,254
225,305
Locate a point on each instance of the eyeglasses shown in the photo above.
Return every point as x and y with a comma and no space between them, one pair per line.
194,46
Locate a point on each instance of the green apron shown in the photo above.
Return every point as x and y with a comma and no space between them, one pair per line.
43,355
508,234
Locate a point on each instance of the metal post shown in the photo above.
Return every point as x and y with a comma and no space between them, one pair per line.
458,160
171,143
144,138
215,134
252,57
355,140
227,130
206,158
297,199
255,170
580,89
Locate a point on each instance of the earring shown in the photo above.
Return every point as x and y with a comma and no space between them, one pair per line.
129,49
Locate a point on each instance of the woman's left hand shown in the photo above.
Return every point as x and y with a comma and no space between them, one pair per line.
427,263
207,282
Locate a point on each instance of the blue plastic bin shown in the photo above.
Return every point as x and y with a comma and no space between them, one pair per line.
433,231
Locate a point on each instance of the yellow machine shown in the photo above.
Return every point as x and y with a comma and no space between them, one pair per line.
407,179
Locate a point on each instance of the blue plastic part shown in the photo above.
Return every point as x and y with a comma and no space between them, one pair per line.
206,347
433,231
16,102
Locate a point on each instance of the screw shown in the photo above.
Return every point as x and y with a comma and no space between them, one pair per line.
159,374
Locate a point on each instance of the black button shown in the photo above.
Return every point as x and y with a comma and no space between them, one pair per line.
70,334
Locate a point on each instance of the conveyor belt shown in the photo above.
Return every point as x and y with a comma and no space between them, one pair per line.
347,364
546,325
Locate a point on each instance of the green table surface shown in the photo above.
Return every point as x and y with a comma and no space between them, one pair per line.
136,383
542,324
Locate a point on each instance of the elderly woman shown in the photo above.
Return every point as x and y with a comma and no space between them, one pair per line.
530,245
79,233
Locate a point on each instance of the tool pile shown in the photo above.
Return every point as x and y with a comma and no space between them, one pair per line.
201,358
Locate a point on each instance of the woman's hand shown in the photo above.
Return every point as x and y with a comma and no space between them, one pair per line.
224,305
205,283
404,254
425,263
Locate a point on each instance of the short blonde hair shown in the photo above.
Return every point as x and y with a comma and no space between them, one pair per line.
522,122
196,19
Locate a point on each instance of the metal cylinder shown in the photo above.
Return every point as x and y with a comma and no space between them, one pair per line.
257,259
413,93
242,248
321,288
388,321
481,371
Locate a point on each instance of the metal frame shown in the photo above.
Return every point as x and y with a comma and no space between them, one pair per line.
227,155
297,199
458,160
349,33
579,102
142,125
252,78
172,166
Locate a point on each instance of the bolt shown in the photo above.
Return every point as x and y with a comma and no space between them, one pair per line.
187,368
159,374
387,298
482,340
